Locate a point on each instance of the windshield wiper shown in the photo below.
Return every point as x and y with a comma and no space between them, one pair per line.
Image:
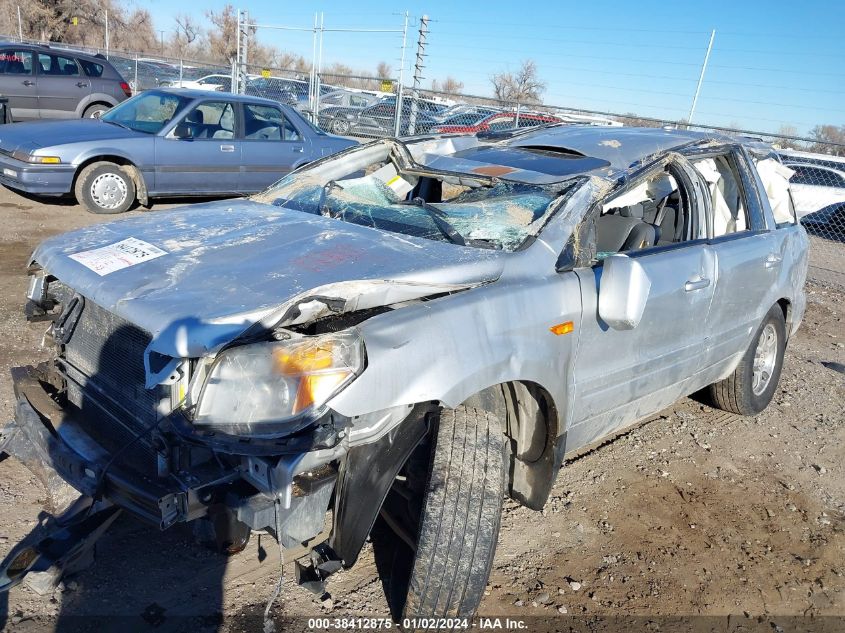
439,219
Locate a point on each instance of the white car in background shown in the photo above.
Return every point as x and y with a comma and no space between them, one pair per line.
222,83
816,187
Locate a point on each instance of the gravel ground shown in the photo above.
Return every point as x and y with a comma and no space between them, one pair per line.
693,513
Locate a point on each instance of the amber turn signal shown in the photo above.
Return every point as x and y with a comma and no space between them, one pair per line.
562,328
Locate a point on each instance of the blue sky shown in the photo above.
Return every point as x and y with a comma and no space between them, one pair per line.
773,62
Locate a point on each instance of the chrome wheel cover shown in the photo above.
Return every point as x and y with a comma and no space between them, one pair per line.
765,357
109,191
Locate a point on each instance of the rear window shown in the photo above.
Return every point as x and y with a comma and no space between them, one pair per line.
91,69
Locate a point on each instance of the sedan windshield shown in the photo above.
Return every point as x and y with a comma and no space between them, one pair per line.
147,112
372,187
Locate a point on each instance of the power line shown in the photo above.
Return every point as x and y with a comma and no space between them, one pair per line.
557,40
563,27
614,59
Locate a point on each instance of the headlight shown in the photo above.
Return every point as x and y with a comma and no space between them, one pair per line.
29,158
261,388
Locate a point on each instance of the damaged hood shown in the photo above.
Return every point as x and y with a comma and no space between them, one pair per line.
226,266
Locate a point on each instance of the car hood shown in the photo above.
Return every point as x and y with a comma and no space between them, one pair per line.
38,134
228,266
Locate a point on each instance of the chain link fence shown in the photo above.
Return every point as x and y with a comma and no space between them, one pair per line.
365,107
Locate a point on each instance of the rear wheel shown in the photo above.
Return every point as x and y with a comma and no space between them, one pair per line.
95,111
749,389
461,511
104,187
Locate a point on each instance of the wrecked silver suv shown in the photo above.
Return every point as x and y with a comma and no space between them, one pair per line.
404,333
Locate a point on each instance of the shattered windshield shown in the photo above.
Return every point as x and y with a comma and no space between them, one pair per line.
373,186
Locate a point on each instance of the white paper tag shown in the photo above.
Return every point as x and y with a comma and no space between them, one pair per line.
123,254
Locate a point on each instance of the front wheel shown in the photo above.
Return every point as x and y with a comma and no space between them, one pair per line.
461,512
340,126
104,187
749,389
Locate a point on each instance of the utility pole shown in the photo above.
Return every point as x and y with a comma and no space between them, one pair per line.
107,34
418,69
243,48
701,76
313,91
20,25
162,42
401,79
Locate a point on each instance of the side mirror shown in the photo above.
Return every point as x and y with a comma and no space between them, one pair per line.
183,131
623,292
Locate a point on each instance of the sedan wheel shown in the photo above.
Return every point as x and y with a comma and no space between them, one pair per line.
765,357
340,126
108,191
105,188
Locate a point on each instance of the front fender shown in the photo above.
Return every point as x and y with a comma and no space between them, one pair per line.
451,348
365,478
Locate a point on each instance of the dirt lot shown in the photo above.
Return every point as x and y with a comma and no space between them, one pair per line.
694,513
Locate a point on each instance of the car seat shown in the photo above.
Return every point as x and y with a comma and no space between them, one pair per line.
624,229
195,120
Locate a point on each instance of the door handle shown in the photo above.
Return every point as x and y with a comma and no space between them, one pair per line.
227,148
696,284
298,148
82,84
27,82
773,260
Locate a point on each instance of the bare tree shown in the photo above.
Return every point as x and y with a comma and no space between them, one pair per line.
523,86
786,143
450,86
825,134
223,38
186,33
186,28
634,120
383,70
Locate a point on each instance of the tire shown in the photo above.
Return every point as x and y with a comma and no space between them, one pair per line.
104,187
460,519
745,391
95,111
340,126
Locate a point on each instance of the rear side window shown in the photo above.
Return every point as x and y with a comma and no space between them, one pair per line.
91,69
268,123
57,65
727,197
14,62
815,176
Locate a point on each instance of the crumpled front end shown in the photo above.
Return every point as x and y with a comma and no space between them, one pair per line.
240,440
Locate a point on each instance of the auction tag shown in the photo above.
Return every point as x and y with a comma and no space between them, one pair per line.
123,254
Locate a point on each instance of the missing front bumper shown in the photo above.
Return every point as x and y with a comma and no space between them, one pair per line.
52,444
